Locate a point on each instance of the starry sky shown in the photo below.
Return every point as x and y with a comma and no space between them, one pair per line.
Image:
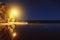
41,9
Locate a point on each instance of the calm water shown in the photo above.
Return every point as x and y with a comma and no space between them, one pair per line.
38,32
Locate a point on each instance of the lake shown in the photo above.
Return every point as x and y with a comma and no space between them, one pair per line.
38,32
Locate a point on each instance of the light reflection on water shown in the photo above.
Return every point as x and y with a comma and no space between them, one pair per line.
38,32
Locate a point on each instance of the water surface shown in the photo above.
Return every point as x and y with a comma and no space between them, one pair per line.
38,32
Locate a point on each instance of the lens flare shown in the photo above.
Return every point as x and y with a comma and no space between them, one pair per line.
14,12
14,34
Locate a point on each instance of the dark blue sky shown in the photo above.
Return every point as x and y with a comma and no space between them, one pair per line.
42,9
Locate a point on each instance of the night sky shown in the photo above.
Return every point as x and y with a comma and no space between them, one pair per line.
40,9
43,9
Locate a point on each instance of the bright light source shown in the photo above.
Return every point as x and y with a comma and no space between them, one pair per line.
14,12
14,34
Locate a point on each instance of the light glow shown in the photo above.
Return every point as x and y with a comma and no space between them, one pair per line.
14,23
14,34
13,13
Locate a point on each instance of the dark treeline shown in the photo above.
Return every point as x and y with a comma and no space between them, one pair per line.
41,21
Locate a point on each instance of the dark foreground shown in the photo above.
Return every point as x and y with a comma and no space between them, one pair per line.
38,32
